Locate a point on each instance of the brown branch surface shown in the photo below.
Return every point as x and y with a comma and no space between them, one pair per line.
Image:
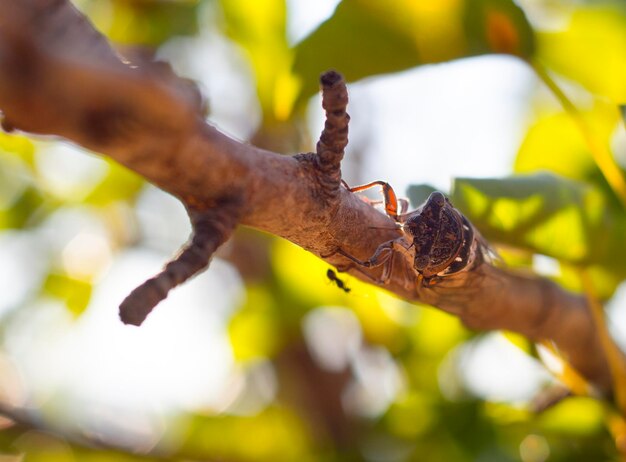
58,76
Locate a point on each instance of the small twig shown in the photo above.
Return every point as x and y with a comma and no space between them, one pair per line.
210,229
334,138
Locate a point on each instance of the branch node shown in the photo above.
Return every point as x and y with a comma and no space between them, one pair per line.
334,138
210,229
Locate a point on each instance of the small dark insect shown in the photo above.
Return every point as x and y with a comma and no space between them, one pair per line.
330,274
436,237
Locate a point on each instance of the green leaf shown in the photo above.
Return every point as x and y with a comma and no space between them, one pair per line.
498,26
369,37
119,184
305,285
28,208
590,50
74,292
418,193
19,145
605,280
555,143
143,22
259,27
577,416
20,198
253,330
275,434
546,214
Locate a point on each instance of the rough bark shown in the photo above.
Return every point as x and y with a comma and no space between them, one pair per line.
58,76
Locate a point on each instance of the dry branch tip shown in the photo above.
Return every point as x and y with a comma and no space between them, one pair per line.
330,78
210,229
334,138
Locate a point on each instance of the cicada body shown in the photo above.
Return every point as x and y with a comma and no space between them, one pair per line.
437,238
440,235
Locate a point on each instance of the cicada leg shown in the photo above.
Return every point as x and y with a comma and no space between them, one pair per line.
389,195
384,255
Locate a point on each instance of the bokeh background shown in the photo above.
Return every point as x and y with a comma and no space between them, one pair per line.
262,358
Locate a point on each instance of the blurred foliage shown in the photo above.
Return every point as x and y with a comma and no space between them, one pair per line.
119,184
73,292
418,193
546,214
570,221
596,32
274,434
363,375
21,198
260,29
358,38
554,143
143,22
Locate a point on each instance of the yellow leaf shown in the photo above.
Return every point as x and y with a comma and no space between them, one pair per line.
259,27
591,50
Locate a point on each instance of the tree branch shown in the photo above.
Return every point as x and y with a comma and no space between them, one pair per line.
58,76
